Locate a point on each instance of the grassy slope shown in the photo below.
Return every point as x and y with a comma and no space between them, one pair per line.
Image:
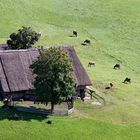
34,127
113,27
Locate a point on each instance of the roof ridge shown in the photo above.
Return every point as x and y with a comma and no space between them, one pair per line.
20,50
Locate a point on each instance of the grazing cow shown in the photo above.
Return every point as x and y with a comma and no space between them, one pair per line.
91,63
110,86
38,34
117,66
87,41
75,33
127,80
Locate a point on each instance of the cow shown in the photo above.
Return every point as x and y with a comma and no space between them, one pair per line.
91,63
117,66
127,80
38,34
87,41
75,33
110,86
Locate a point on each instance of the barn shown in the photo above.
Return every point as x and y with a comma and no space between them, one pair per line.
16,77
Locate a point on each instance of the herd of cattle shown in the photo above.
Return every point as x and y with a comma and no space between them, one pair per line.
86,42
116,67
92,63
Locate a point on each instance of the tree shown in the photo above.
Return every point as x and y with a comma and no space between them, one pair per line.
54,80
25,38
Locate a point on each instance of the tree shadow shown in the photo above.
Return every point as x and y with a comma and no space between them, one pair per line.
14,114
22,113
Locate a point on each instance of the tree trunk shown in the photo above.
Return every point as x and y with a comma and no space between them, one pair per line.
70,103
52,107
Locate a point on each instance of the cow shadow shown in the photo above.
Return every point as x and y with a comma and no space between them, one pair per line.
83,44
72,36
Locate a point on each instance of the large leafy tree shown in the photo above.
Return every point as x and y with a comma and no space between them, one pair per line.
54,80
25,38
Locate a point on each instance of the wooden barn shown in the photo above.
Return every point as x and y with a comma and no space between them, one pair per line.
16,77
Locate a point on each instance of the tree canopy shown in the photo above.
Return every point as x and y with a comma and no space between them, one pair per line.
25,38
54,80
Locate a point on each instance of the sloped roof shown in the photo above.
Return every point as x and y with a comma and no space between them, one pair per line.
15,74
80,73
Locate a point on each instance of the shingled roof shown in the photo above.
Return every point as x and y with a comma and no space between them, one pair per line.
15,74
81,76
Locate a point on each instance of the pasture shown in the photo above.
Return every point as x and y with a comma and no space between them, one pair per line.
113,27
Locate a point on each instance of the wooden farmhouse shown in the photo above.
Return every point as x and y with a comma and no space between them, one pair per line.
16,77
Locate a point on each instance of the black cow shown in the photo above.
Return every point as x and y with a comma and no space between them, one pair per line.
87,41
91,63
117,66
75,33
127,80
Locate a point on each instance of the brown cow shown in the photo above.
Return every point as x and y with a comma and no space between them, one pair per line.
117,66
110,86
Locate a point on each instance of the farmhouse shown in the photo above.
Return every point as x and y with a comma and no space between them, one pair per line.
16,77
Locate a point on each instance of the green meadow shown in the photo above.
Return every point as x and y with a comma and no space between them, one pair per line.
113,26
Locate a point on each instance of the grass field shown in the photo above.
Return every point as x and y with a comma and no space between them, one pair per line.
113,26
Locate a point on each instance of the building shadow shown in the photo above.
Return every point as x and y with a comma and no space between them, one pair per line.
14,114
22,113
